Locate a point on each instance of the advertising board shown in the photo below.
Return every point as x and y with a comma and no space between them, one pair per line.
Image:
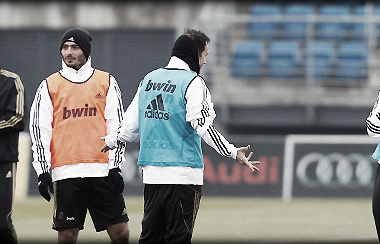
224,176
328,166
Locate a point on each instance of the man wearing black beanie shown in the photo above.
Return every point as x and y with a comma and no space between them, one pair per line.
81,37
172,111
73,108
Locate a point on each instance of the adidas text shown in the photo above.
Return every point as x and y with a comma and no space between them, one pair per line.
166,87
79,112
155,114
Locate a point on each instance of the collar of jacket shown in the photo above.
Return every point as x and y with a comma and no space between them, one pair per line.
77,76
177,63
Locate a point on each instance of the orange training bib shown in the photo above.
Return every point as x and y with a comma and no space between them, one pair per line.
78,119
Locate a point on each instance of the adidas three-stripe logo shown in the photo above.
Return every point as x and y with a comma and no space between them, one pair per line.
155,109
156,104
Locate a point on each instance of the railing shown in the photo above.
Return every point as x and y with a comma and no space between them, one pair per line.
306,67
306,86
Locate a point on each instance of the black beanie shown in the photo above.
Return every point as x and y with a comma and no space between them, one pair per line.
81,37
186,49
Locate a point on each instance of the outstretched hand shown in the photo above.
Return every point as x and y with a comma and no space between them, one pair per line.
105,148
241,158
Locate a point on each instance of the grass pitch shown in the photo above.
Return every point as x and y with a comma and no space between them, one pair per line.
228,220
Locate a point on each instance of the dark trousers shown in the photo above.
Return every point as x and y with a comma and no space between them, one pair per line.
7,184
169,213
376,201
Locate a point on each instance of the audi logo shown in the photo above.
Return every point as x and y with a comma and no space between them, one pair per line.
335,170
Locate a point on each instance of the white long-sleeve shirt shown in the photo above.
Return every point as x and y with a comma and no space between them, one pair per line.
373,120
41,117
199,113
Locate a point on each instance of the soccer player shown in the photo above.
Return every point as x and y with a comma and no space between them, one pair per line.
72,108
12,121
172,111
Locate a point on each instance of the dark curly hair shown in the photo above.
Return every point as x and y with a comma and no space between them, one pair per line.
200,39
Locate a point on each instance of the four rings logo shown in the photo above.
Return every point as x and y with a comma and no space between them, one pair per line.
335,170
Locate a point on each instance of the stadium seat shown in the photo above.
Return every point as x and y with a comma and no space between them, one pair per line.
376,12
247,59
297,30
352,60
283,59
321,56
333,30
358,31
264,29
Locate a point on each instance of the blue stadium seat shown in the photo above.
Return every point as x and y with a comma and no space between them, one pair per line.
247,59
321,55
376,11
359,30
297,30
333,30
352,60
263,29
283,59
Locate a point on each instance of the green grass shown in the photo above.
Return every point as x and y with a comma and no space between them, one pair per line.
229,220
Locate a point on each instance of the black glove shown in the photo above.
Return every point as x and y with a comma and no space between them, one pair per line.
45,182
116,180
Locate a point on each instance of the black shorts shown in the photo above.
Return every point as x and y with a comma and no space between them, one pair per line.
72,198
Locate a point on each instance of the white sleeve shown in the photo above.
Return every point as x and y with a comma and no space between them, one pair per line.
373,120
200,113
113,114
129,129
40,128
